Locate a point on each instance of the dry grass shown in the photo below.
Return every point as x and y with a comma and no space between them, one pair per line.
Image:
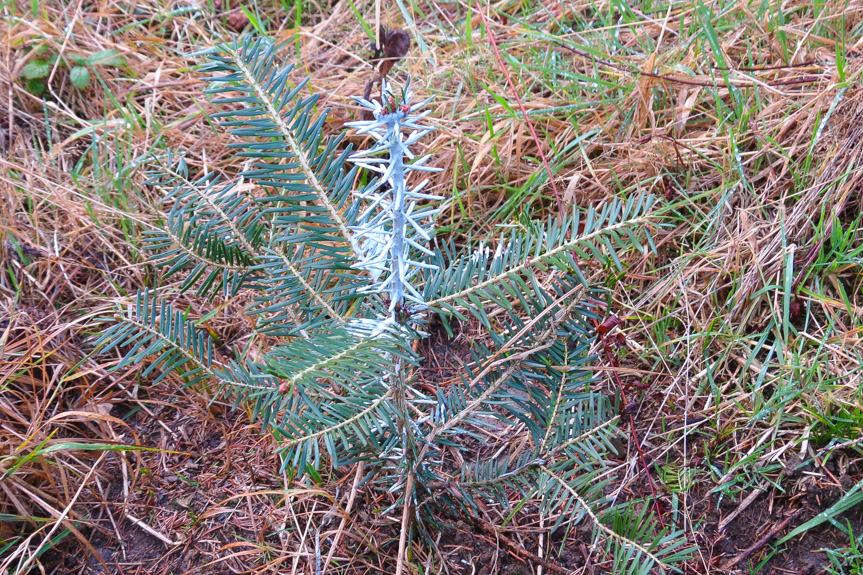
744,328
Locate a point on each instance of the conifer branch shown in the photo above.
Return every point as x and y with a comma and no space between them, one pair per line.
287,133
534,261
236,232
180,245
610,533
327,431
207,199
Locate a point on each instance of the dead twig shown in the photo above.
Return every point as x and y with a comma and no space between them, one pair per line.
685,81
357,477
761,542
406,516
517,549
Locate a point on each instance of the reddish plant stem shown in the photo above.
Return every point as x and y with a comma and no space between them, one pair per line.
521,107
641,456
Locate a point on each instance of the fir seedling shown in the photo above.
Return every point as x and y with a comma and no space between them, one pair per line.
344,282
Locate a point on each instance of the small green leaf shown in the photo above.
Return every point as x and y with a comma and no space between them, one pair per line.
77,59
314,475
35,86
80,77
36,69
107,58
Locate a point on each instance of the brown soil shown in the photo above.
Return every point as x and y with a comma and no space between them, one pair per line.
802,555
183,492
444,355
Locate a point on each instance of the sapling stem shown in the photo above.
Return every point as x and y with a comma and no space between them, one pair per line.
391,227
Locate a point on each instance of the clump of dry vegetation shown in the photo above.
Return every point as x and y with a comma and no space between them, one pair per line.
738,347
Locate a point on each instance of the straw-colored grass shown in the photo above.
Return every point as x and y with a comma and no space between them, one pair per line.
743,331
